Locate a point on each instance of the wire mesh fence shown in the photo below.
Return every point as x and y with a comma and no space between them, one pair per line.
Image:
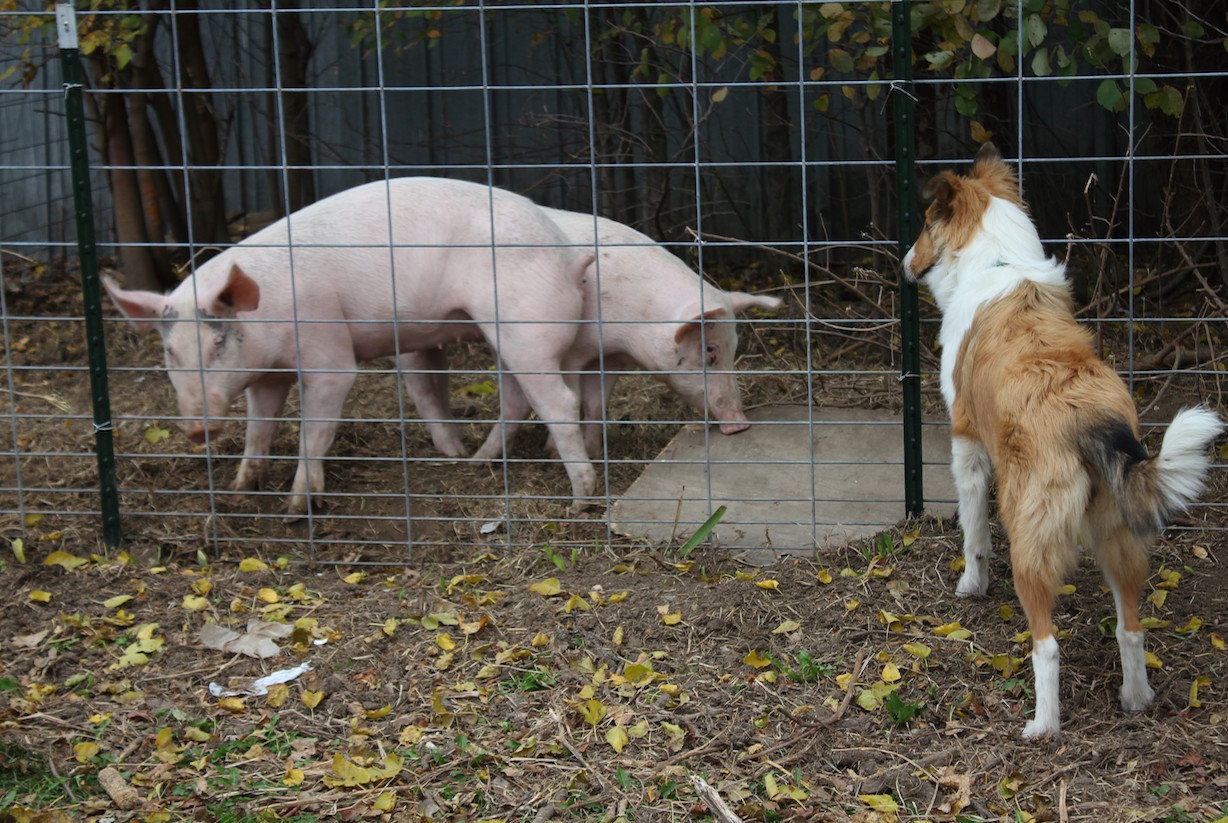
749,141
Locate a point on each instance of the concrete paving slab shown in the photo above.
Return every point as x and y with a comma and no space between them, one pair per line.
794,482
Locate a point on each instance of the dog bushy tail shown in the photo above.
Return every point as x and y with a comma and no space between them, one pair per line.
1149,489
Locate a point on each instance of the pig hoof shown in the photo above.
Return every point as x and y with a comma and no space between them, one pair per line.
486,454
297,507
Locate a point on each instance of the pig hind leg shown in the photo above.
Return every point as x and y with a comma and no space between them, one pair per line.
265,400
425,376
553,395
514,408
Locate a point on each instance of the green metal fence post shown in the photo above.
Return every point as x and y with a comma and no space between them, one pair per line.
910,332
70,61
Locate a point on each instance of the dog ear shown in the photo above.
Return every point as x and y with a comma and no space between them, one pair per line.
987,159
940,191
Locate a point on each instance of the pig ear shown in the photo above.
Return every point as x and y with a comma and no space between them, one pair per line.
238,293
142,308
695,321
743,301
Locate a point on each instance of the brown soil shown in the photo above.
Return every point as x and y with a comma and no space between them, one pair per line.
602,701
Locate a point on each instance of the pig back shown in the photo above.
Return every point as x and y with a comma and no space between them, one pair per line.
419,249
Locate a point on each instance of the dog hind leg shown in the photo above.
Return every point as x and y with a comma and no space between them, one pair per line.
973,472
1124,559
1036,592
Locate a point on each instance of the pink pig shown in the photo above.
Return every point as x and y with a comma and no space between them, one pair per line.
309,297
655,313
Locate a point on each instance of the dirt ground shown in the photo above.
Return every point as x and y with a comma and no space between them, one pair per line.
551,672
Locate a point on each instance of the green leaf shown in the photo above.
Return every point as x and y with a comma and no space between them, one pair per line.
1040,63
1194,29
123,55
1148,37
841,60
708,35
987,10
702,532
1119,41
940,59
1034,30
1144,85
1109,95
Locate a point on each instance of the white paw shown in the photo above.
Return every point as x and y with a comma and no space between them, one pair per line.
1137,698
972,584
1040,728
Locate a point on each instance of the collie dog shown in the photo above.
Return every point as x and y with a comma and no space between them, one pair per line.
1031,403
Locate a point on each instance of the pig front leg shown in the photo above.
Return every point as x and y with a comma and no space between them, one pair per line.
514,407
265,400
594,395
425,375
595,392
323,395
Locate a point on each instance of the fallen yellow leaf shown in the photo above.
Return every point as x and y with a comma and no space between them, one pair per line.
252,564
40,596
758,661
116,601
1199,682
593,711
786,627
883,803
64,559
616,737
547,588
354,578
576,603
234,705
767,584
85,750
312,699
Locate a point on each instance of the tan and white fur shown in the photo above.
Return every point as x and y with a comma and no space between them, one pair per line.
1031,403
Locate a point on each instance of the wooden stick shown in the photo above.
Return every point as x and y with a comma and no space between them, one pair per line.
720,810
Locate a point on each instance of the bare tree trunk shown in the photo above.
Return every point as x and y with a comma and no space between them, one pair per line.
205,198
293,128
778,148
115,142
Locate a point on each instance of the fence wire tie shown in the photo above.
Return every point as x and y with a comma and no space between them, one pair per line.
99,428
907,375
896,85
69,87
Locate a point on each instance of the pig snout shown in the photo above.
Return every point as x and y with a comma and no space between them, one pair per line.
734,422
